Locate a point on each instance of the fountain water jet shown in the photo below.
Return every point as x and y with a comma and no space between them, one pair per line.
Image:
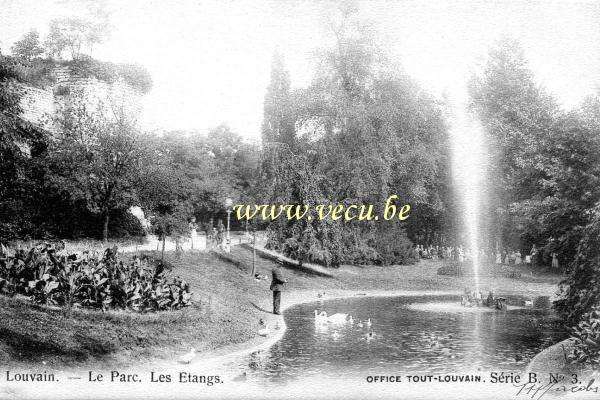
466,138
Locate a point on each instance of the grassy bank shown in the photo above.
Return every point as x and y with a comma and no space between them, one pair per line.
228,304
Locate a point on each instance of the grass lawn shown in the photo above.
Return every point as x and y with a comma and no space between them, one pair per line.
228,304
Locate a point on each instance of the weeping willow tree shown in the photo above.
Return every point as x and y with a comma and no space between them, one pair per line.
363,131
295,181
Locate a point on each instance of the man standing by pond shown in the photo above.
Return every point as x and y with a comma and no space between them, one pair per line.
277,283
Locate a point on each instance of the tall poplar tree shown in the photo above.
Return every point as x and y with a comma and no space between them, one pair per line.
278,123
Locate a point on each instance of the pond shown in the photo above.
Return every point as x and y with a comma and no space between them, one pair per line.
421,334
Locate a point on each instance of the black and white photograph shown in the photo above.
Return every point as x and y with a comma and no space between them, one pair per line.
299,199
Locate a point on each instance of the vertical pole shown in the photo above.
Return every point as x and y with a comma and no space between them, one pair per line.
254,254
228,247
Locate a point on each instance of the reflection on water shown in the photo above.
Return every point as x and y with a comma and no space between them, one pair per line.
408,337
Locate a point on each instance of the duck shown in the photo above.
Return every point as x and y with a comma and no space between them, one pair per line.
360,324
370,336
337,318
335,335
187,358
263,331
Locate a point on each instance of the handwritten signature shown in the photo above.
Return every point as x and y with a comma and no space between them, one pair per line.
536,391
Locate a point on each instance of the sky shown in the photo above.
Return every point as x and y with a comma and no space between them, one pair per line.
210,60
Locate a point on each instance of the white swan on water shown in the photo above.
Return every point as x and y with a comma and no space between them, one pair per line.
320,317
338,318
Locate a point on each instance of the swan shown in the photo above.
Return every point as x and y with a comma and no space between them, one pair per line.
350,320
368,323
528,303
320,317
187,358
337,318
360,324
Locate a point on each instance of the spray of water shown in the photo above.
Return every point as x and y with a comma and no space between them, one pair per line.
466,138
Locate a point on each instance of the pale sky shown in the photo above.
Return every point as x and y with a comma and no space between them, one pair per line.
210,60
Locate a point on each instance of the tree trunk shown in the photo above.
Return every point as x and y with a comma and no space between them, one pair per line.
105,228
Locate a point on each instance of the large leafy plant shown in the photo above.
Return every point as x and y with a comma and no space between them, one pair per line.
586,350
49,275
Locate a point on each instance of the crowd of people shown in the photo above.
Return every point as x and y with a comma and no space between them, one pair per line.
462,254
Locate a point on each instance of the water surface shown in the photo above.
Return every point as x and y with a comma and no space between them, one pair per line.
412,335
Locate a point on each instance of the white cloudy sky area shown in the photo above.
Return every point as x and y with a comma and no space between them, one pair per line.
210,60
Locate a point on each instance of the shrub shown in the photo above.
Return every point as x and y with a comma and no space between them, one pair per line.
363,254
124,224
394,247
35,72
134,75
586,350
46,274
580,290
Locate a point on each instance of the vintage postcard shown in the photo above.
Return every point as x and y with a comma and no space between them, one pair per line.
275,199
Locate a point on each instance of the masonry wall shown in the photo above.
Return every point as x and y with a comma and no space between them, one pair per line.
41,105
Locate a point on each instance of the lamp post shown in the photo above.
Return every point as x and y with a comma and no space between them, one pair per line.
228,204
